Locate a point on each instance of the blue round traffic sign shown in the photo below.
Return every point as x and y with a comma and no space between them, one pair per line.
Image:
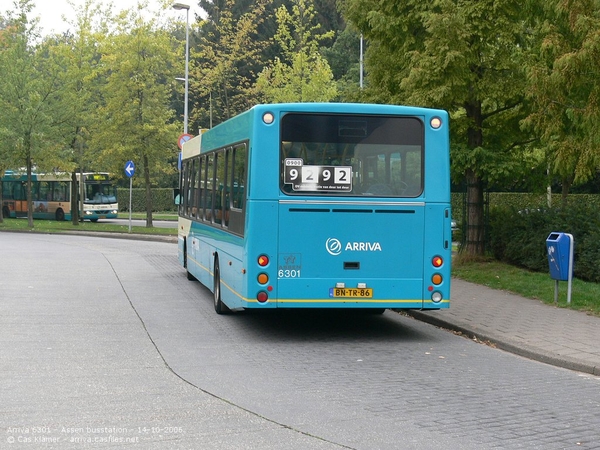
129,168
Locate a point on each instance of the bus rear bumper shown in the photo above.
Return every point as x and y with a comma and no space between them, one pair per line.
362,305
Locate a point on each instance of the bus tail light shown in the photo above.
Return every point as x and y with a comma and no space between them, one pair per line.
263,260
263,278
436,279
262,297
436,297
437,261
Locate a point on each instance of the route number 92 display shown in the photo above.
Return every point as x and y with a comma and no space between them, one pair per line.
317,178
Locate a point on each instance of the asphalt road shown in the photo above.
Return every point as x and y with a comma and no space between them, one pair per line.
106,344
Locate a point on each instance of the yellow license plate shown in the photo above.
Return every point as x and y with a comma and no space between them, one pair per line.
352,292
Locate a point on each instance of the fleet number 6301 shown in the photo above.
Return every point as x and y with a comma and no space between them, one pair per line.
288,273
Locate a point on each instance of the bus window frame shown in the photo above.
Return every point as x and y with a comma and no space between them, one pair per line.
215,199
359,163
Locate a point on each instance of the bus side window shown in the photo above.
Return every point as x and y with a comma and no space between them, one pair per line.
201,186
220,186
208,187
8,190
186,189
238,189
21,191
239,177
193,209
45,193
61,191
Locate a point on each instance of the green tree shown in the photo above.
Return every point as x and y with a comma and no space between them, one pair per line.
326,10
78,54
302,73
565,88
225,63
134,121
30,93
468,58
344,59
5,163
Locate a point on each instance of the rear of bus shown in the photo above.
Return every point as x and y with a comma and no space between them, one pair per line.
360,214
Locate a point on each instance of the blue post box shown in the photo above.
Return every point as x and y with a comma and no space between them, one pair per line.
560,255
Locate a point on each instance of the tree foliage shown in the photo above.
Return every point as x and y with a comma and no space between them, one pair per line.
31,95
301,74
79,56
448,54
565,87
225,63
134,121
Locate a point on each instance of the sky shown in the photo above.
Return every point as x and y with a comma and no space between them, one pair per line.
51,11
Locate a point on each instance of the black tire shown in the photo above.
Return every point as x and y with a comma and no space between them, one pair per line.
59,215
220,307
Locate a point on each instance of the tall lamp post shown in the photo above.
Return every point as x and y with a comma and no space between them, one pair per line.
361,61
179,6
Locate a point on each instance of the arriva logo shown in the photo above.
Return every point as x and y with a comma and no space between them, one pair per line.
334,246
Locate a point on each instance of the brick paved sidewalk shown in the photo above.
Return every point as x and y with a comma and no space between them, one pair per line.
530,328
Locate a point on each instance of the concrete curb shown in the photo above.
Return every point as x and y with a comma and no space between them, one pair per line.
520,349
104,234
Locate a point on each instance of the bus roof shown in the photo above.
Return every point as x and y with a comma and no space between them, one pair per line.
238,128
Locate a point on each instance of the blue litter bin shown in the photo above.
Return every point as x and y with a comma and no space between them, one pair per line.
559,246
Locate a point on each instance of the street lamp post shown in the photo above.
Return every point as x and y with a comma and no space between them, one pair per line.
361,61
180,6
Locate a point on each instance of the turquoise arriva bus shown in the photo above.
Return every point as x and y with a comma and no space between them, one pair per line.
314,205
51,195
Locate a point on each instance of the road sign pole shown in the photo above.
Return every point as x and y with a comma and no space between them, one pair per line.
570,280
130,191
129,171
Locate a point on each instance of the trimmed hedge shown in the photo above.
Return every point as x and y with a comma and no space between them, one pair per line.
518,236
521,201
162,200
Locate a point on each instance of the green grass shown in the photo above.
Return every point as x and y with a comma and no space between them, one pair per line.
585,296
155,216
52,226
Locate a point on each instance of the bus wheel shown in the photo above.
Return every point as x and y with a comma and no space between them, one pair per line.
220,307
60,215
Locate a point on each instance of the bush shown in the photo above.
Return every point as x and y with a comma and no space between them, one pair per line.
162,200
519,236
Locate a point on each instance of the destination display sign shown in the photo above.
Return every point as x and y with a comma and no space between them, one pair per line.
317,178
98,177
